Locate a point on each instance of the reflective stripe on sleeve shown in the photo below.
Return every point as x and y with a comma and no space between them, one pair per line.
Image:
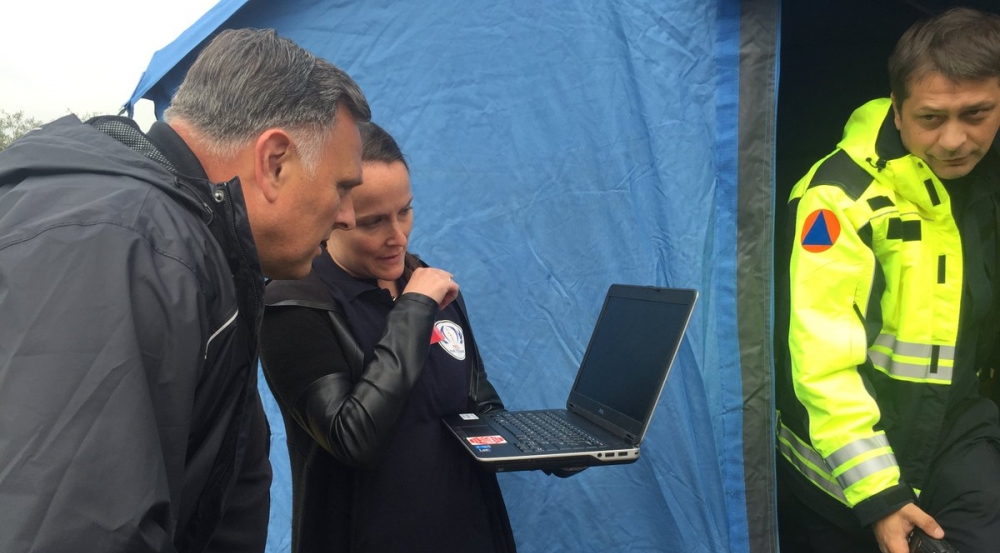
866,468
808,462
856,449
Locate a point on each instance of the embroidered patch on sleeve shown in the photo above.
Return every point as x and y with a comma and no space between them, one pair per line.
821,230
452,338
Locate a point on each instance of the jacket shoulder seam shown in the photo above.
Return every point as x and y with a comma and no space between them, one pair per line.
842,171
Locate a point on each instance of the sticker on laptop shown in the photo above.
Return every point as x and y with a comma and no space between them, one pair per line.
469,417
486,440
453,340
483,448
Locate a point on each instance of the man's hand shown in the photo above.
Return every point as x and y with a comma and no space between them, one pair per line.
891,531
434,283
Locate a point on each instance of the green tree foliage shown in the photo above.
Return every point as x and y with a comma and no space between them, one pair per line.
13,125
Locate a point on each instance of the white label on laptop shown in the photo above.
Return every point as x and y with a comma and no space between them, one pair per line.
486,440
454,339
469,417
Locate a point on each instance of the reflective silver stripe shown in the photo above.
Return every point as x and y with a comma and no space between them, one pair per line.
219,331
913,349
855,449
910,370
866,469
813,473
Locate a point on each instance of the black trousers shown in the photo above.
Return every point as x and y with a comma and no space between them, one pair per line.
963,496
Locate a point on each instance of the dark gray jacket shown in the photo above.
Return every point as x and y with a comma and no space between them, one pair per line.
129,301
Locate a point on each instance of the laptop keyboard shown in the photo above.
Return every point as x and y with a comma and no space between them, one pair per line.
544,431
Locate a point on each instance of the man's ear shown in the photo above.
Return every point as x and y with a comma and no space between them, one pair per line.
273,153
897,118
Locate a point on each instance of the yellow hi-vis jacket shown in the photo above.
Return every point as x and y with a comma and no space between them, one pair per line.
875,292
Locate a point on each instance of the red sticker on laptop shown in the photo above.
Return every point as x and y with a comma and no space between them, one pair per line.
436,336
486,440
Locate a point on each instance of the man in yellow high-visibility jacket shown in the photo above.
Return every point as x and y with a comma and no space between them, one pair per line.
893,307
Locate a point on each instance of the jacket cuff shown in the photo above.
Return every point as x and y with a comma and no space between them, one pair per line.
884,503
419,298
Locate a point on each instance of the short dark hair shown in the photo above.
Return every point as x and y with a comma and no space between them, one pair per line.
961,44
378,146
249,80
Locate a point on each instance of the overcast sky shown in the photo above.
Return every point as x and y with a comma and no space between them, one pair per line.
64,56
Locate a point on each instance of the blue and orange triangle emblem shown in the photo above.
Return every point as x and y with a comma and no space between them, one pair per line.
820,231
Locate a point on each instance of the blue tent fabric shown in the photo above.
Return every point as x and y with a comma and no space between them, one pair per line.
555,148
181,50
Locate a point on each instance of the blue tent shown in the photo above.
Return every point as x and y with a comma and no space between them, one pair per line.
555,148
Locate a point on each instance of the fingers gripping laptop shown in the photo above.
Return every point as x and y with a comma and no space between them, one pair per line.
617,387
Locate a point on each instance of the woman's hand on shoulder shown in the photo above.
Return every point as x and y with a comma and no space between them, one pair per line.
434,283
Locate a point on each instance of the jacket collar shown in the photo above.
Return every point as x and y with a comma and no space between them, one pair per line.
221,206
888,142
173,147
872,130
347,286
889,146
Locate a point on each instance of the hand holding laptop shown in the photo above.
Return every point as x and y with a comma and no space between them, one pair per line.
634,342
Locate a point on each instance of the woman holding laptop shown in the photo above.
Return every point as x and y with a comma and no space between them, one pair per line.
364,357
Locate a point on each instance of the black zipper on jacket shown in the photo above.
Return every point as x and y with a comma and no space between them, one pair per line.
244,261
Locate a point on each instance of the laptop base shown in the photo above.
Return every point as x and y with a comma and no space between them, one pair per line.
496,448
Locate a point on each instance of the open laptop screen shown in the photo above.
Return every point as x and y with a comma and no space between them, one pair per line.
634,342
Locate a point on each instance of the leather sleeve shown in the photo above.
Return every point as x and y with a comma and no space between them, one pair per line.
482,394
487,399
307,360
485,396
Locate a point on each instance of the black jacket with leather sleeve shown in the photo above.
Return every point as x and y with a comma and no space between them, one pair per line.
350,421
341,409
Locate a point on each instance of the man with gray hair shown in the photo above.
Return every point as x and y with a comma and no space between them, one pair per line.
132,269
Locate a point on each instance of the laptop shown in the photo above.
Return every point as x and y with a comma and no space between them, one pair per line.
621,377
